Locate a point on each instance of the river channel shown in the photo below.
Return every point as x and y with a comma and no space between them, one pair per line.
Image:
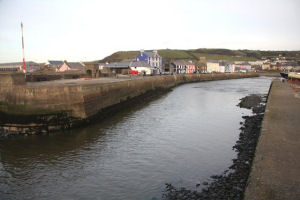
182,137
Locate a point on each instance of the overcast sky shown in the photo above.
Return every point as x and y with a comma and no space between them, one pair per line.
90,30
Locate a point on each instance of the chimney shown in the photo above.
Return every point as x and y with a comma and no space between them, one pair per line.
142,51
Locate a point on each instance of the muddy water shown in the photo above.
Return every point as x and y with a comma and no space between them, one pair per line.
182,137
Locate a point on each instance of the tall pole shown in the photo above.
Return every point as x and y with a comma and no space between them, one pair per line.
24,65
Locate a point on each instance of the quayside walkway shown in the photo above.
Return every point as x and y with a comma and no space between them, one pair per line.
276,168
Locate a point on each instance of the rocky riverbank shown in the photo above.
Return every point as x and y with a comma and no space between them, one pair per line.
232,183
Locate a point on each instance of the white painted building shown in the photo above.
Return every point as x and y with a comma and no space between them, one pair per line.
213,66
222,68
142,67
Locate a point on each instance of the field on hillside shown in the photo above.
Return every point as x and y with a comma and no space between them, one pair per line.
214,54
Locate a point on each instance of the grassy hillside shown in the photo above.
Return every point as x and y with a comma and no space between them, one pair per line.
216,54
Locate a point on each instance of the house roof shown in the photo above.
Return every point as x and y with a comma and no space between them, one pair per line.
139,64
182,63
123,65
75,65
213,61
151,54
55,62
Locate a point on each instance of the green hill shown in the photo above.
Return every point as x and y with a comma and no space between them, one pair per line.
215,54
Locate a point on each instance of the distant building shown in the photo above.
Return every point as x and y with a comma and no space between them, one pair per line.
114,68
54,64
242,67
190,67
229,67
265,66
182,67
141,67
201,65
18,66
11,67
258,62
92,69
70,66
213,66
152,58
222,65
111,69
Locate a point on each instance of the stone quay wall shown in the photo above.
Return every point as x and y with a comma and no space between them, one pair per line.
55,107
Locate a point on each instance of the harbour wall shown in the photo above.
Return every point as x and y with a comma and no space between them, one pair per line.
31,109
275,170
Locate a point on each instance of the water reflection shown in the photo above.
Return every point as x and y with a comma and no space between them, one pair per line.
182,137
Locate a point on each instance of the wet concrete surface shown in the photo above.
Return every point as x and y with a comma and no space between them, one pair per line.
276,169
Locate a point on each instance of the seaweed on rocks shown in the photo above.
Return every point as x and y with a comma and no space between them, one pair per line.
232,183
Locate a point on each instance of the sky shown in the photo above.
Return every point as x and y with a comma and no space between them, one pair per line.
86,30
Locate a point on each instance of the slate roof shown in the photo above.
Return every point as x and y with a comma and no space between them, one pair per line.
213,61
139,64
75,65
182,63
123,65
151,54
55,62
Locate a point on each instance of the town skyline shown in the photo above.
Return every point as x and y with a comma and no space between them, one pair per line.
81,31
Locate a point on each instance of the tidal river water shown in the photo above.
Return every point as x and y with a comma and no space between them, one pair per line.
182,137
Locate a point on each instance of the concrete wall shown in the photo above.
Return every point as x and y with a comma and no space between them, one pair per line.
10,79
82,101
36,77
275,170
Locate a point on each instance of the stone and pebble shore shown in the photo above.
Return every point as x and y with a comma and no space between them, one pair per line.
232,183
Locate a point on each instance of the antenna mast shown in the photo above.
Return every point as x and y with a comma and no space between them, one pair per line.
24,65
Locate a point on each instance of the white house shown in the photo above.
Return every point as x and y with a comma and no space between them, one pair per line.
70,66
213,66
152,58
229,67
142,67
222,65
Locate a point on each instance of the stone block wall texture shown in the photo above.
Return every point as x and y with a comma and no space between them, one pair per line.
10,79
82,101
87,99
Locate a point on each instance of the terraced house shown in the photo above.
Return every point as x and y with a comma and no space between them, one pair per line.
152,58
183,67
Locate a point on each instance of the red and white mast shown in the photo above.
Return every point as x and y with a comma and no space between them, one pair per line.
24,64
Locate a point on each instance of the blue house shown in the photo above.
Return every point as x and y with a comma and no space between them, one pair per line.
152,58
